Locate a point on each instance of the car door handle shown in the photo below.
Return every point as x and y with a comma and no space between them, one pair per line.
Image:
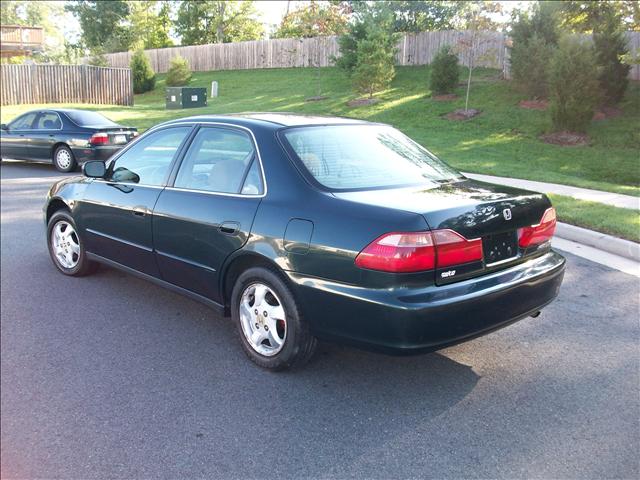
229,228
139,211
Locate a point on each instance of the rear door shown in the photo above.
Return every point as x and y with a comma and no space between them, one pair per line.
116,213
16,140
208,211
46,132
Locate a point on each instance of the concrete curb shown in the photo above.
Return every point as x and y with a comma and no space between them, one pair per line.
601,241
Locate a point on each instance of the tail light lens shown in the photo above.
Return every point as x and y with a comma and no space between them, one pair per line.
537,234
419,251
99,139
454,249
399,252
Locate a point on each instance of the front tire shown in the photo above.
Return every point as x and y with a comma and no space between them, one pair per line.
268,321
66,247
64,160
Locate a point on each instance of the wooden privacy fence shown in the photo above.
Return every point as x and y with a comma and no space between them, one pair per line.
65,84
413,49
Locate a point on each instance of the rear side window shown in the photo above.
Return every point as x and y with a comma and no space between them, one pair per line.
220,160
23,122
85,118
365,156
148,160
48,121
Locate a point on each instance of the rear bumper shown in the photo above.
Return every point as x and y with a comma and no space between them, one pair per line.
404,321
86,154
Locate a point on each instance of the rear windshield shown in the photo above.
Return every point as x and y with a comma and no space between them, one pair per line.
85,118
365,156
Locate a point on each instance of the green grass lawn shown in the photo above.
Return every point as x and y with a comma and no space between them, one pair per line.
502,141
619,222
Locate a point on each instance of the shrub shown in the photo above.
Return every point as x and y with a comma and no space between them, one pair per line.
144,79
374,68
179,72
530,66
573,85
610,46
445,72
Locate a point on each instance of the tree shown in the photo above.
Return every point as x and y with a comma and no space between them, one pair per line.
150,23
103,24
314,20
420,15
610,47
445,72
179,72
573,87
541,22
374,68
144,78
210,21
585,17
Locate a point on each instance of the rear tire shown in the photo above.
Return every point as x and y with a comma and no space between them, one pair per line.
66,248
272,331
63,159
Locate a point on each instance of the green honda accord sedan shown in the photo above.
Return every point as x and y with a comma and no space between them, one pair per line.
303,228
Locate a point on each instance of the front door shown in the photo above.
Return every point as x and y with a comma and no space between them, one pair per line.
15,140
208,212
115,215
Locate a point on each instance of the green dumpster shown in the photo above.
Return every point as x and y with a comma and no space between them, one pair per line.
186,97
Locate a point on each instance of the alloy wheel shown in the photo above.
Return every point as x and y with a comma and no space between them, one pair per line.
263,319
63,158
65,244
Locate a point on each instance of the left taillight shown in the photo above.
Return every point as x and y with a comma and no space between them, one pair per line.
540,233
407,252
99,139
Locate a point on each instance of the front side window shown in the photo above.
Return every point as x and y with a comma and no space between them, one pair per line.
148,160
365,156
220,160
23,122
48,121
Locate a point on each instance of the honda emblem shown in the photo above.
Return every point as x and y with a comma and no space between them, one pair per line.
506,213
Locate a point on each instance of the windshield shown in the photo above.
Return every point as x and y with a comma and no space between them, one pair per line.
365,156
85,118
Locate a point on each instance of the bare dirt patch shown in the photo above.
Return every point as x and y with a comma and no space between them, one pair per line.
462,114
534,104
445,97
566,139
607,112
359,102
317,98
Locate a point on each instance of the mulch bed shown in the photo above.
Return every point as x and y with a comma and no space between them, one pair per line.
444,97
359,102
607,112
566,139
462,114
534,104
316,99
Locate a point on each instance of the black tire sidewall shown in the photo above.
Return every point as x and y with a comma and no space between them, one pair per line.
72,166
81,266
298,342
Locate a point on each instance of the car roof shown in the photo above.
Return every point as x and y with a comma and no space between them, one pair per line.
269,119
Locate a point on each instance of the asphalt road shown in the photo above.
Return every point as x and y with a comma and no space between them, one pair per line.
111,377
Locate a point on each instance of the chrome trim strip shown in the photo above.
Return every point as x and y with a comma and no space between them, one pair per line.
247,195
159,187
184,260
120,240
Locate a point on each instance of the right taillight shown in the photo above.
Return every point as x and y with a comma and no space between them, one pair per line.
540,233
419,251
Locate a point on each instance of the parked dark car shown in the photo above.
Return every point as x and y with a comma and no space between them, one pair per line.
303,228
62,137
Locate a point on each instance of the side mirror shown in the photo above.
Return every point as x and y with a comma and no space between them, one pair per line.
4,126
94,169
